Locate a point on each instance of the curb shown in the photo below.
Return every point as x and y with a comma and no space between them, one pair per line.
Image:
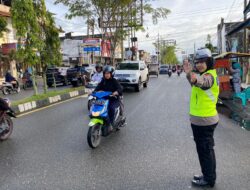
31,106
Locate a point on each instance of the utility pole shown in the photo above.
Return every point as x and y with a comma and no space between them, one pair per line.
245,30
158,49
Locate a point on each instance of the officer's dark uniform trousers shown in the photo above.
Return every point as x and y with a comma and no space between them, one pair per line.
203,137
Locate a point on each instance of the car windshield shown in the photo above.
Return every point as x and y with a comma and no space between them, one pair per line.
128,66
164,66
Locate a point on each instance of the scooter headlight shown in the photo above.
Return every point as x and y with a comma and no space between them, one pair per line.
96,114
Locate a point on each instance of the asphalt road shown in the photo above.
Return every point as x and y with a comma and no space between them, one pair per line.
48,149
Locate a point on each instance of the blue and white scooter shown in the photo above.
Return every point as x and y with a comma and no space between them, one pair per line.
98,126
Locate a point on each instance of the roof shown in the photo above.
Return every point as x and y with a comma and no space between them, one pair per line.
229,55
247,9
242,25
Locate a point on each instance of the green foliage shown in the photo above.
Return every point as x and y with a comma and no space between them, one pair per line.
209,44
156,13
114,13
3,26
38,37
27,30
51,54
168,55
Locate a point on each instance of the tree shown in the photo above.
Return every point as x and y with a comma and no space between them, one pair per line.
209,44
38,37
3,26
114,13
50,53
168,55
25,22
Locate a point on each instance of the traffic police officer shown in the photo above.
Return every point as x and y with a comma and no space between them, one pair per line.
203,114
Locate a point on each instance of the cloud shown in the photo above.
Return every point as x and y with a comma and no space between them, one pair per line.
189,22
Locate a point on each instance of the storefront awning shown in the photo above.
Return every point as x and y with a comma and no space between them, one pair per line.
230,55
245,24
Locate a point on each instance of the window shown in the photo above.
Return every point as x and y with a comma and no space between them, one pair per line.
128,66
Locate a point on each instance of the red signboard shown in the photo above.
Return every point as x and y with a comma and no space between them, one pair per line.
105,46
6,48
91,41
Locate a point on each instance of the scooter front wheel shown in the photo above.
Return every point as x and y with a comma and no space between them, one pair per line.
8,131
94,136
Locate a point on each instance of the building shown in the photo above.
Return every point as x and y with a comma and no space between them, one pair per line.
82,49
144,56
242,29
7,42
232,43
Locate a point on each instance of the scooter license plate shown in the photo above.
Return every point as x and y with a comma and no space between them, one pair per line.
99,102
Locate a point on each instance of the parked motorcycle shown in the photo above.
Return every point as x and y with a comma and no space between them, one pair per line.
27,83
9,88
6,124
99,115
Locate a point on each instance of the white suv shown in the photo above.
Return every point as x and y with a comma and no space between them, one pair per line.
132,74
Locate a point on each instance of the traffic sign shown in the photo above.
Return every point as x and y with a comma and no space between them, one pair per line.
90,49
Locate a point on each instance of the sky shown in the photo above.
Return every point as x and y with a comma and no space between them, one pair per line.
189,22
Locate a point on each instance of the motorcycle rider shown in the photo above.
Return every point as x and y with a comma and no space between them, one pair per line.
10,79
110,84
203,114
97,77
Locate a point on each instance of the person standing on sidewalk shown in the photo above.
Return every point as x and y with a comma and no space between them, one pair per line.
203,114
235,70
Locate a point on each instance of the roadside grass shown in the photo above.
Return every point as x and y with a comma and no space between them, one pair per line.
43,96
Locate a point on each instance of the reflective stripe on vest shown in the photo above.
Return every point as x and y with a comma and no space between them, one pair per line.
203,102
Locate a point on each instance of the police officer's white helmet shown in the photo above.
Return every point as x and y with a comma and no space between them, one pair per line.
203,53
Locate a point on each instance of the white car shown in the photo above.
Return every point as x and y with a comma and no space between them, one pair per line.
132,74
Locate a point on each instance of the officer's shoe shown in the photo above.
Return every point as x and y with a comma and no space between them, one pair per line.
198,177
202,183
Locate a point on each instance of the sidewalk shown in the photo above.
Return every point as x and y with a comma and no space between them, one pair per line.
238,112
29,92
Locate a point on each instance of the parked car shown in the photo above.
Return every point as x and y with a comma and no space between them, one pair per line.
163,69
57,74
132,74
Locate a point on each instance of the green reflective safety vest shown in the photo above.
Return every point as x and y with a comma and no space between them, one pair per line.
203,102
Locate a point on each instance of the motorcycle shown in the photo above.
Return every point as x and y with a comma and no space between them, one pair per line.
27,83
6,124
8,88
90,87
179,72
98,126
169,73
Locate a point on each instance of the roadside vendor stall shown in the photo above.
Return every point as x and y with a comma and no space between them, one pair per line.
236,102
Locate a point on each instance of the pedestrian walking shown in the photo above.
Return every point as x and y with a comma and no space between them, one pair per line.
203,114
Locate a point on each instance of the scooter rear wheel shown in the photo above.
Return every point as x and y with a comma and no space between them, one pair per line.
94,136
5,90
